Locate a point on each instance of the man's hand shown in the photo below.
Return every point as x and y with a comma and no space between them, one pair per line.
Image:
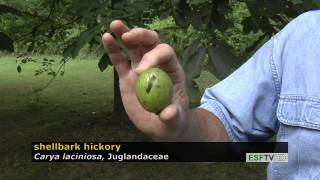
176,122
145,51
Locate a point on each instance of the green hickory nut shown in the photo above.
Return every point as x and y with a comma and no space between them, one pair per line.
154,90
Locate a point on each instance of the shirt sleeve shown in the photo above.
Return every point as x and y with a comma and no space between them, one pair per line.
246,101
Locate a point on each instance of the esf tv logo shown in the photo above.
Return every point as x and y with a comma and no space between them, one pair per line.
266,157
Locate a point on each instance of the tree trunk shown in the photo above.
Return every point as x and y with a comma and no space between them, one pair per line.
119,113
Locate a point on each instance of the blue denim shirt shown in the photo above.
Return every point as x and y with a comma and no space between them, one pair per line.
277,91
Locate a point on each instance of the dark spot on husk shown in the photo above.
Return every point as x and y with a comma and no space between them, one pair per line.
150,83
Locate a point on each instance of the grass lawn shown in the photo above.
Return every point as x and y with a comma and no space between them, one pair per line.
77,107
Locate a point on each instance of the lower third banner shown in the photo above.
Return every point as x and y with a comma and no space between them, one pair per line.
151,151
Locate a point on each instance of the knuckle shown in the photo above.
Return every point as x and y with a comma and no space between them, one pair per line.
154,34
166,47
151,59
133,31
150,56
137,30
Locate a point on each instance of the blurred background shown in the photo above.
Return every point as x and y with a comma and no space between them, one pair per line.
57,83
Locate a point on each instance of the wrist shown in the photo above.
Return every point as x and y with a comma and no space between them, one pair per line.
185,119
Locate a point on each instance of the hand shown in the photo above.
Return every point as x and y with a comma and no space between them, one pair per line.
145,51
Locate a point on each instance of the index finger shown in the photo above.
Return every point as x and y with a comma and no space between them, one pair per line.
118,27
140,36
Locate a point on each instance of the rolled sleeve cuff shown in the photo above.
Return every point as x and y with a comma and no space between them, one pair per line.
215,107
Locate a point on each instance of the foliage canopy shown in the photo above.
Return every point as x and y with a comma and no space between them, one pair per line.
223,33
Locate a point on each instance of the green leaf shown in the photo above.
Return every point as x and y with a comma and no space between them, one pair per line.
221,62
219,19
104,62
197,21
19,69
311,4
181,12
52,73
197,2
258,43
5,9
191,61
180,19
297,1
165,14
24,60
80,42
249,25
120,43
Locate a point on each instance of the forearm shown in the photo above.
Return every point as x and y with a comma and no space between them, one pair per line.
202,125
